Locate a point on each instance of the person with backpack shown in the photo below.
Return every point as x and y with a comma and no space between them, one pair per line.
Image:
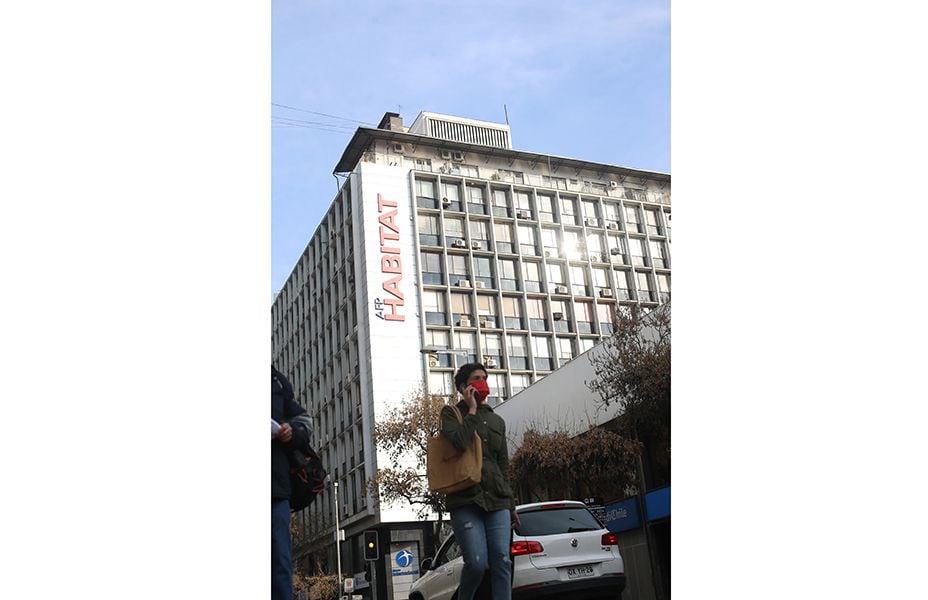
482,515
284,437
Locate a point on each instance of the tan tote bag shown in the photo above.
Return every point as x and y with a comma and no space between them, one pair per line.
449,470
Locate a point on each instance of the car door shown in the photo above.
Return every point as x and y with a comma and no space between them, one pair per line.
445,575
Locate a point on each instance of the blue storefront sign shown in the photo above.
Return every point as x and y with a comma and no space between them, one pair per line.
624,515
657,503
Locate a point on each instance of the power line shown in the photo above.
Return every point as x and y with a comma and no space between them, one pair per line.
292,120
312,112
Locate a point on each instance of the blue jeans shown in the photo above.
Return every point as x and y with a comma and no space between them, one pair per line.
281,565
484,538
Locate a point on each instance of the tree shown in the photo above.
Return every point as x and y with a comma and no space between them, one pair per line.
634,371
404,435
554,465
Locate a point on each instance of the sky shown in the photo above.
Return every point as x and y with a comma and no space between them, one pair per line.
588,80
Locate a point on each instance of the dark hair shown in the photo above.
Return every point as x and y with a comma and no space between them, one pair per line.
460,378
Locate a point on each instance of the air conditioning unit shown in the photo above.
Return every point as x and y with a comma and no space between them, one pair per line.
560,289
465,283
547,254
494,176
592,222
446,154
458,156
433,360
479,284
483,322
489,362
523,214
558,316
614,184
445,202
595,257
464,322
398,148
615,251
614,226
605,293
476,245
459,244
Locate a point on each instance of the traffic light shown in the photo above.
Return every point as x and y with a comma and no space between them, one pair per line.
371,547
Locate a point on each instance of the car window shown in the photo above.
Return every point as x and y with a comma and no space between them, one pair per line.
449,551
557,520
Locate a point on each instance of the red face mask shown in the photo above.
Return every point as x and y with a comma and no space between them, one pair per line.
482,389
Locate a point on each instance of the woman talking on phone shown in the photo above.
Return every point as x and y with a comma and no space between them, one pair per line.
483,514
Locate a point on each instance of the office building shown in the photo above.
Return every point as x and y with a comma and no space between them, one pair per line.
444,246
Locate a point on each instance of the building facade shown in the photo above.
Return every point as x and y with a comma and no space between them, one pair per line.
445,246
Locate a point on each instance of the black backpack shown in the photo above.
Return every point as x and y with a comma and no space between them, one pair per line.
307,476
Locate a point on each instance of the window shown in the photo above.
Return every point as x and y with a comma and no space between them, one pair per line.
497,383
566,349
667,216
589,209
605,314
574,247
513,176
458,268
545,208
531,276
622,284
519,383
523,204
440,383
653,221
617,250
560,315
584,312
466,342
527,242
595,246
536,314
425,193
586,344
480,234
636,246
611,214
465,170
433,303
644,288
492,346
503,233
663,287
439,339
476,202
428,230
541,348
632,220
454,230
508,275
501,204
554,182
431,268
657,254
512,313
578,281
569,210
461,308
555,277
549,242
421,164
451,196
601,279
486,310
517,345
483,271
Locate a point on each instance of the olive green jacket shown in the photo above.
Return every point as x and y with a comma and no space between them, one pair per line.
493,492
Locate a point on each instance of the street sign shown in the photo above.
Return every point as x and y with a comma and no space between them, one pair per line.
349,585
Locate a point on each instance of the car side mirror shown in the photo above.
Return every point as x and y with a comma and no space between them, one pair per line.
425,565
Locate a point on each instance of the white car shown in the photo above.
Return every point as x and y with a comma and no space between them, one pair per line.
559,551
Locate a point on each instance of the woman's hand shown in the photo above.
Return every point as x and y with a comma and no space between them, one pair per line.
470,400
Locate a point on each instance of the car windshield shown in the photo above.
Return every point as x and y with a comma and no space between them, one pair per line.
569,519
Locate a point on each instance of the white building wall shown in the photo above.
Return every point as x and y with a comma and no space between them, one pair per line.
559,402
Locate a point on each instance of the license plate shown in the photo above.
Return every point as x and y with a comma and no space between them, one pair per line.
581,571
